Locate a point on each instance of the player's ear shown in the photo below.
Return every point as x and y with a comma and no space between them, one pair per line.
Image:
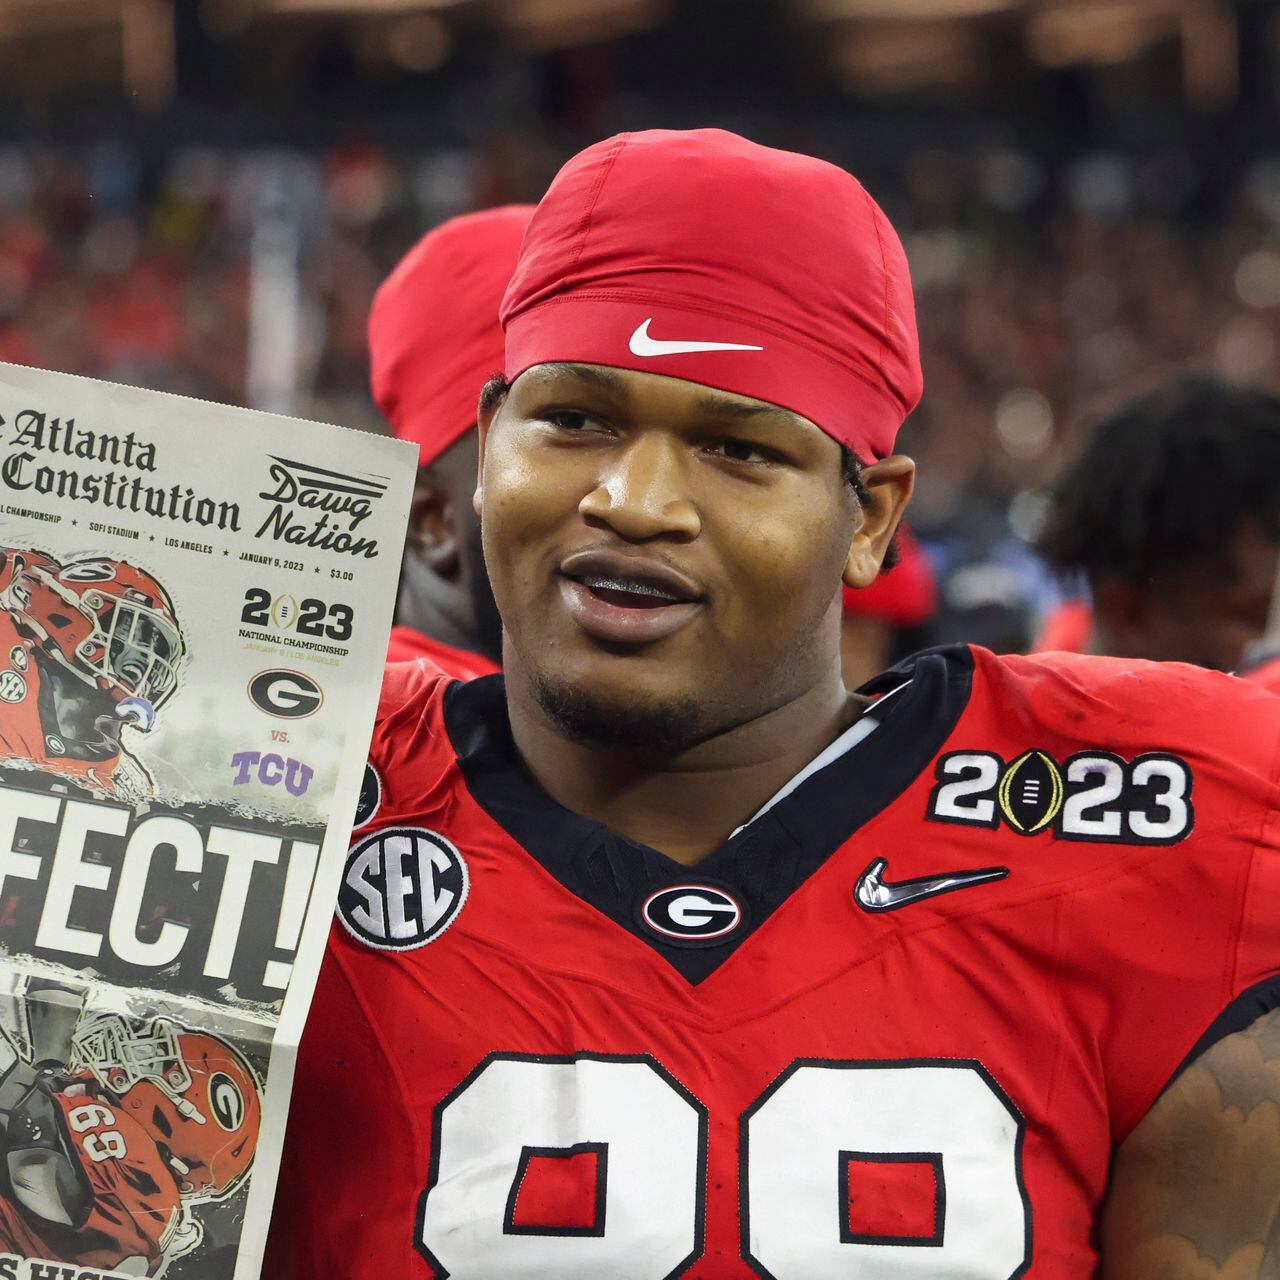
889,484
491,401
434,533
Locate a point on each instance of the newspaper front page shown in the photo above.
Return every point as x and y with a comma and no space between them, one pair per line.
194,609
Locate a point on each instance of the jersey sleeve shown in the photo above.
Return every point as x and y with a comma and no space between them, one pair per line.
1214,936
1161,945
134,1200
409,747
1257,959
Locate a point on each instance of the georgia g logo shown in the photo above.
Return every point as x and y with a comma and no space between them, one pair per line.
226,1102
692,915
403,887
288,695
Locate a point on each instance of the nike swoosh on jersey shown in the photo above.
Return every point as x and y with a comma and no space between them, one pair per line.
873,893
643,345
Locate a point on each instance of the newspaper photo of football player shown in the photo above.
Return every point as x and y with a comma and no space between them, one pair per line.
88,649
103,1156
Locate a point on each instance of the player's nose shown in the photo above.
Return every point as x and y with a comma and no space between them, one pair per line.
643,493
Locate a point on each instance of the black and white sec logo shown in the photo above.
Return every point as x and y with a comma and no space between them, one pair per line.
403,887
370,799
288,695
692,915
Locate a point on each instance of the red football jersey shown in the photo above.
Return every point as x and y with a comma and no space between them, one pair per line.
406,644
135,1201
1068,628
893,1027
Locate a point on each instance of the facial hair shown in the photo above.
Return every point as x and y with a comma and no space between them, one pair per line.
643,731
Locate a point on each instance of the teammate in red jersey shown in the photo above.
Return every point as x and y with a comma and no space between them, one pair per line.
878,619
1267,673
662,955
1264,661
1172,513
434,338
101,1160
87,649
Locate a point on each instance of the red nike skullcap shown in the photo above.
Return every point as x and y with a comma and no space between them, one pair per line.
434,336
906,596
651,244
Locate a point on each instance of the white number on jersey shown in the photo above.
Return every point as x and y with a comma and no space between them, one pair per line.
644,1137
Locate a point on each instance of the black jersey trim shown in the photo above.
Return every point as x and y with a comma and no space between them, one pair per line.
1250,1005
761,865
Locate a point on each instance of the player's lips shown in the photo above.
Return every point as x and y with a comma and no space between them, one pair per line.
626,599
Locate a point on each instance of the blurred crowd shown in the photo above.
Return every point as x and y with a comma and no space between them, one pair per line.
1046,295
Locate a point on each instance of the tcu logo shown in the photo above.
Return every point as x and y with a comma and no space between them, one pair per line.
271,770
403,888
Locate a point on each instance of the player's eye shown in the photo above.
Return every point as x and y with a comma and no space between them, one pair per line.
743,451
569,419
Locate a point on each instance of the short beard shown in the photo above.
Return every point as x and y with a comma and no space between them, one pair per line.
653,731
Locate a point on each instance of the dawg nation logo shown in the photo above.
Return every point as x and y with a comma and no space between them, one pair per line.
316,507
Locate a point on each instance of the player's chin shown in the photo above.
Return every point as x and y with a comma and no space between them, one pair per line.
610,703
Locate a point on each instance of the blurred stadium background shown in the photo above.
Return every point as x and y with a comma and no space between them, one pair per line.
202,195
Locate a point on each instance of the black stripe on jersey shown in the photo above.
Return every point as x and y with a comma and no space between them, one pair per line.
761,865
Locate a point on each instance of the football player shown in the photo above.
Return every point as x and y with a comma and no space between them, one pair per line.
1264,661
434,338
1267,673
102,1159
662,955
86,649
1172,513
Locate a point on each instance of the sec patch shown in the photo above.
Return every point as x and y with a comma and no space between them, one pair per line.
402,888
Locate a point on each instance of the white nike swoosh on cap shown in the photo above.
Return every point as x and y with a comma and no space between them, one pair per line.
643,345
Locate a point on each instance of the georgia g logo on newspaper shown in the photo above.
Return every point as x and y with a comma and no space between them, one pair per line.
288,695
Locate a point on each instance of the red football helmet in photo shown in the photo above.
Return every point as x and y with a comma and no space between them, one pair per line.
193,1092
107,620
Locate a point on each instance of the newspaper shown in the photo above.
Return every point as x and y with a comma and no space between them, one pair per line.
194,609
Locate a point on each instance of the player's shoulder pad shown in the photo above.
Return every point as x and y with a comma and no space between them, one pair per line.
1132,706
407,686
408,734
